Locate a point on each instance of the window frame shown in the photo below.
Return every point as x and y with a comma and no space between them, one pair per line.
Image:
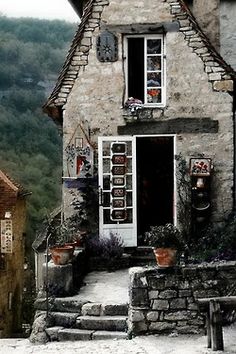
146,37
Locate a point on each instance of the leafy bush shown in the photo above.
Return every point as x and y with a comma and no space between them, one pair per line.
216,243
106,248
167,236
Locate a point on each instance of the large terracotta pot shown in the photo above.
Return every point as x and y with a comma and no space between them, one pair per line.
165,257
61,255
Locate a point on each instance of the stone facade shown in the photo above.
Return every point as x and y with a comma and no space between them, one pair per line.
12,200
199,86
164,300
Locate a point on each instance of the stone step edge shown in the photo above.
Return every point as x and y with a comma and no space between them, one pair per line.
57,333
102,323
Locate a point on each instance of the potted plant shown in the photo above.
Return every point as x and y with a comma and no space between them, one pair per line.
65,237
166,240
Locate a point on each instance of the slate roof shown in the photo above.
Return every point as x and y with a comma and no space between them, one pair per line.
54,104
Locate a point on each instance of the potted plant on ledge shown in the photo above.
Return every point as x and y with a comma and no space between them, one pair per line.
65,237
166,240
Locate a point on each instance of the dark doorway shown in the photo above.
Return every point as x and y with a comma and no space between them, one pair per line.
155,183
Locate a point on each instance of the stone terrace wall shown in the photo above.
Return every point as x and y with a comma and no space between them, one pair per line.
163,300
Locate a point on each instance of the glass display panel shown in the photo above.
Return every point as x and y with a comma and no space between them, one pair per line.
118,181
154,63
153,79
153,46
118,148
118,159
118,203
154,95
118,192
118,170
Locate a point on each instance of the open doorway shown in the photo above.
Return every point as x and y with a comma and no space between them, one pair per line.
155,182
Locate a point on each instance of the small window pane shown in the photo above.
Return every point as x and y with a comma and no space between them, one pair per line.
153,46
154,95
129,199
106,199
106,182
106,166
153,63
153,79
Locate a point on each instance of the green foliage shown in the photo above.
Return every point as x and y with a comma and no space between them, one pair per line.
164,236
216,243
31,54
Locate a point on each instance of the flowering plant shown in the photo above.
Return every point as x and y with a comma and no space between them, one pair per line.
164,236
153,92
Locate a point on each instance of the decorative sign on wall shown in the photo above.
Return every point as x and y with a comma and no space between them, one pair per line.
118,181
79,155
6,236
107,47
200,167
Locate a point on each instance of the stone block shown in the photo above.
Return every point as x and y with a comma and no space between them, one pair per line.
156,282
64,319
91,309
138,327
160,305
183,293
178,316
52,332
168,294
153,294
139,297
214,76
114,310
153,316
73,334
136,316
138,280
109,335
178,304
224,85
161,326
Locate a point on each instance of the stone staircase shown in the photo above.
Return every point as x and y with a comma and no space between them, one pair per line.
88,321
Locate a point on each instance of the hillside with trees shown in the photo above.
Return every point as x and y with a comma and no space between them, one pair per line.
32,52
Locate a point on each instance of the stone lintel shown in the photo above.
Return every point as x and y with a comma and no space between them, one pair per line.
171,126
142,27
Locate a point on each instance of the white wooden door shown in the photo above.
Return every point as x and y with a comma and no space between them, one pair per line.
117,188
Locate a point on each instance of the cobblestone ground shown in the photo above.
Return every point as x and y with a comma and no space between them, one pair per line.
139,345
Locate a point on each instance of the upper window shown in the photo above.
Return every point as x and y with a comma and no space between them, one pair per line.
145,69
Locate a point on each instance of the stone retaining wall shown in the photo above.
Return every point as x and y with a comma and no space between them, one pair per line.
163,300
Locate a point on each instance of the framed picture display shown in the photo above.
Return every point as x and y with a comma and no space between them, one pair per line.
118,215
118,170
118,159
118,148
118,203
118,181
118,192
200,167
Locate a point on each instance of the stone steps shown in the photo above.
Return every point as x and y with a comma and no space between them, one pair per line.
92,321
104,323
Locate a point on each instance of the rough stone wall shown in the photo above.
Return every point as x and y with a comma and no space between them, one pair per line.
193,82
11,279
164,300
228,31
207,14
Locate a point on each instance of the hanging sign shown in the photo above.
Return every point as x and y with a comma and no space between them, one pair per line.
6,236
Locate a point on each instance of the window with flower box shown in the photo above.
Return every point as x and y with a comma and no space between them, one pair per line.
146,69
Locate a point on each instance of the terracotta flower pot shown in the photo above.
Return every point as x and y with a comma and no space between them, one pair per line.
165,257
62,255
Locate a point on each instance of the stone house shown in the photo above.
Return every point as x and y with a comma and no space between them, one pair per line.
12,227
144,91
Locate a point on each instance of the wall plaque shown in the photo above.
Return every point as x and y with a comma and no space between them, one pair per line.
107,47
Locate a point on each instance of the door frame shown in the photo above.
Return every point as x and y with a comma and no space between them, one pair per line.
133,138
